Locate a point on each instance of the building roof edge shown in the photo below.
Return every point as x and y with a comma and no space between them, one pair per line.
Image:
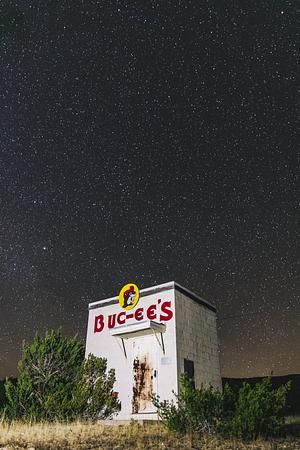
156,289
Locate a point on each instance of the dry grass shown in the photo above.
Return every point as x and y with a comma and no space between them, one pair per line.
85,436
292,420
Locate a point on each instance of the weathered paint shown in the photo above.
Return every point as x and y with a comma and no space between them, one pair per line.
149,359
144,374
143,384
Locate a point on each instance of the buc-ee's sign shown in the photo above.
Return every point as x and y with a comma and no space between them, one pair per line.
128,299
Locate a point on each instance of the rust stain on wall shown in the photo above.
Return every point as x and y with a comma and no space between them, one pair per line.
143,384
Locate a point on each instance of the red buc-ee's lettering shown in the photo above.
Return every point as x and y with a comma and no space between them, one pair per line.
111,321
152,312
166,312
121,318
139,314
99,323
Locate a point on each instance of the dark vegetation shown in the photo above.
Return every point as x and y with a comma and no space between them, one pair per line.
248,414
2,393
293,396
56,382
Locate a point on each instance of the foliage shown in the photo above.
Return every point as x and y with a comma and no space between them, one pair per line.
252,412
2,394
194,409
94,397
257,411
52,374
47,372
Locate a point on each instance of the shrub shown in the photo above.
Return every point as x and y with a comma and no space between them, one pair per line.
56,383
47,372
250,413
258,411
194,410
93,396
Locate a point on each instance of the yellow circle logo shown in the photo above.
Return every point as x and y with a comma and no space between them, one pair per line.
129,296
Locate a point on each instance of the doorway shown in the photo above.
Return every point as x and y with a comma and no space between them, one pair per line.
145,374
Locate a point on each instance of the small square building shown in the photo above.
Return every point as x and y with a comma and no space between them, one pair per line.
151,337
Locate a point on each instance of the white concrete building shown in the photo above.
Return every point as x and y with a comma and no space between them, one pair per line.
152,337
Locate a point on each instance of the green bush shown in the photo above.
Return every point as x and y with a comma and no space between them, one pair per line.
93,394
55,382
47,373
250,413
194,409
258,411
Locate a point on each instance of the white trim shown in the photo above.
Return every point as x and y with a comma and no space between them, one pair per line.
165,286
138,329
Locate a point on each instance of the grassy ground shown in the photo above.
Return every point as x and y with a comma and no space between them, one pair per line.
84,436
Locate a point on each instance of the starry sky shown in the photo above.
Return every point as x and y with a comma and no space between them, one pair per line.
150,141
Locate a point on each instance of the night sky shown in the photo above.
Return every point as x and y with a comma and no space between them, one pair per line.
151,141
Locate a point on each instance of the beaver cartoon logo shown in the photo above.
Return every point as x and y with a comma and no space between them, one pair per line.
129,296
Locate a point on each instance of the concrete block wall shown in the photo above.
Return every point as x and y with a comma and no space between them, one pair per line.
197,340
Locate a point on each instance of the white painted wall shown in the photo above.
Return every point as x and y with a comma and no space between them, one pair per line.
191,333
105,345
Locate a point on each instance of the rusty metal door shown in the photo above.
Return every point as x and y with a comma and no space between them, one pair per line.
145,375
